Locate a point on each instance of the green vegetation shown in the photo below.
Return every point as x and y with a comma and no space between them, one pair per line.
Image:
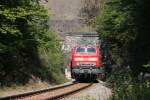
125,25
27,49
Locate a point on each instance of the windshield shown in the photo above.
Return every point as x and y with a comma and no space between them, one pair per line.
91,50
86,50
80,50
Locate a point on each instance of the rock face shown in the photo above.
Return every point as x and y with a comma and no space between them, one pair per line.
68,16
64,9
65,26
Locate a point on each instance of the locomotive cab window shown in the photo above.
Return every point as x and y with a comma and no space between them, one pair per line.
80,50
91,50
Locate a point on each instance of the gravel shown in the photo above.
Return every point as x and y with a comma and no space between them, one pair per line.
96,92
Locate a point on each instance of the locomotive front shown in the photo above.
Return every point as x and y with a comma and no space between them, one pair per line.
86,63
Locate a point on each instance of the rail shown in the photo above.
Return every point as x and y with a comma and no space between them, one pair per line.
51,93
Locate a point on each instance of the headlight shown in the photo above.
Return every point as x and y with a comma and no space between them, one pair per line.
85,59
93,59
78,59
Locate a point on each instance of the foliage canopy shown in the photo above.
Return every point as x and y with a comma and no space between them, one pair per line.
25,42
125,24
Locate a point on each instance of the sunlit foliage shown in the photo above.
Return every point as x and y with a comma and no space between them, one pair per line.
24,40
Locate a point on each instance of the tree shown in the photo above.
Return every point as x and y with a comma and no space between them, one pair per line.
125,24
24,33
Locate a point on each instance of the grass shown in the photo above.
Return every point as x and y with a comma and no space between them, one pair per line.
16,89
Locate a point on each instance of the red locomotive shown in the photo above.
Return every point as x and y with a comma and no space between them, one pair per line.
86,63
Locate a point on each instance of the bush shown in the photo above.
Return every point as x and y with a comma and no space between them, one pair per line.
27,48
125,25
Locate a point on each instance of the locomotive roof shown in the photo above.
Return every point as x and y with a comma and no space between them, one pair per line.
86,46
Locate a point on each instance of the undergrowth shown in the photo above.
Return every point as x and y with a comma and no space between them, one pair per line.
127,87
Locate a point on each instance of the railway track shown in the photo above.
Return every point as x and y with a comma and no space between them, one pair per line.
50,94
